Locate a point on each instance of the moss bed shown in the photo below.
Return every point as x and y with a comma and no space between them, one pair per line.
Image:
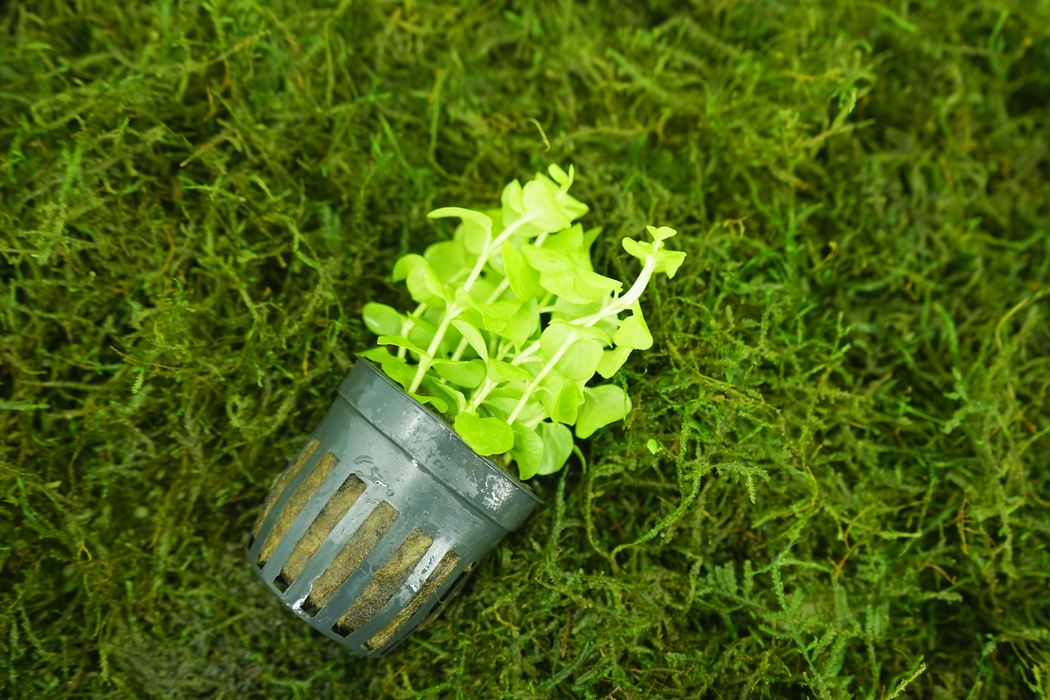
848,387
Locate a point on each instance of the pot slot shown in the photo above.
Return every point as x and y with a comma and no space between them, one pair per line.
295,504
350,557
320,528
385,582
444,568
281,483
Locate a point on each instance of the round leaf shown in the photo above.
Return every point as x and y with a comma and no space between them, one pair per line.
381,319
601,406
486,436
527,452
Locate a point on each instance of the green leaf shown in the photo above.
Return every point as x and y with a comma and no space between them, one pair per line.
486,436
670,261
527,452
633,333
511,201
473,338
561,397
376,354
579,286
538,200
426,287
468,373
448,259
652,445
581,359
667,261
405,264
474,232
612,361
548,260
475,217
661,233
455,400
392,366
523,324
602,405
381,319
400,341
440,404
557,446
500,371
523,278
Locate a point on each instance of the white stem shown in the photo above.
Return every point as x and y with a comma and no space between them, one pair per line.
453,310
407,326
569,340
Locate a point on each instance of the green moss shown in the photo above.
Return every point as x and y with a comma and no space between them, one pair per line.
848,387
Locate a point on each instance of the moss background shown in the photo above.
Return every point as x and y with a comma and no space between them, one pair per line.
849,381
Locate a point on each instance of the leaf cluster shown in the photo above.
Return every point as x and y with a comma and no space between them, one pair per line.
512,323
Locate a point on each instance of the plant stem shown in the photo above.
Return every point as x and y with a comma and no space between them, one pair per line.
453,310
622,303
407,326
492,297
531,387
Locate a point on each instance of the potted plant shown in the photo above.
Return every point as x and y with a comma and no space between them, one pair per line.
418,468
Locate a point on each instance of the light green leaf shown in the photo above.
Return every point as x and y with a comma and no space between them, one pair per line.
400,341
523,324
561,397
523,278
448,259
584,353
467,214
405,264
511,201
612,361
486,436
426,287
475,231
393,367
454,399
381,319
667,261
440,404
633,333
548,260
602,405
670,262
661,233
473,338
500,371
539,205
376,354
579,286
468,373
557,446
527,452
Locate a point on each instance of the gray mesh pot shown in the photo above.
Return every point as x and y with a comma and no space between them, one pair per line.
380,517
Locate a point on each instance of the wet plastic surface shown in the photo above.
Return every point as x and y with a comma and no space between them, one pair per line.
409,459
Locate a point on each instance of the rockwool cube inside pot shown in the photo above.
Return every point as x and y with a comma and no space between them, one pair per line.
380,517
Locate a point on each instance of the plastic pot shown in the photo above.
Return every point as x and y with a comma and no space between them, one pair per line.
381,516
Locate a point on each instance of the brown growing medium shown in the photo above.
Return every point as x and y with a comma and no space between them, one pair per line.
295,505
441,572
321,527
387,580
352,554
282,482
